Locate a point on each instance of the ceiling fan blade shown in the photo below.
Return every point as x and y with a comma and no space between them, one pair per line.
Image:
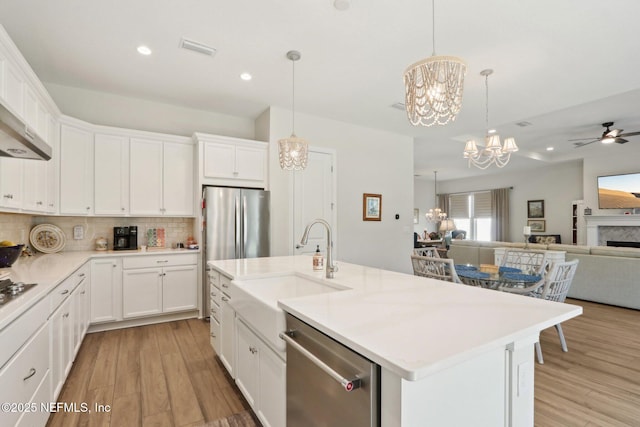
629,134
582,144
582,139
621,140
612,133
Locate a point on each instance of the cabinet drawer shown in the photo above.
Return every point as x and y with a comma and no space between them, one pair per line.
159,260
18,332
224,284
214,311
24,373
214,278
64,289
38,417
215,334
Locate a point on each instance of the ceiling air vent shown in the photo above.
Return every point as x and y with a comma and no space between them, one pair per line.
523,124
197,47
399,106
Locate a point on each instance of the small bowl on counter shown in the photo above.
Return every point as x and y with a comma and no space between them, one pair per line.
9,255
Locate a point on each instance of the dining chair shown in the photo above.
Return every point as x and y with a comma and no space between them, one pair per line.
553,287
435,268
529,261
430,251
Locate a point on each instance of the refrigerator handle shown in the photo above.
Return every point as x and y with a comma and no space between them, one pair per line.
244,225
237,231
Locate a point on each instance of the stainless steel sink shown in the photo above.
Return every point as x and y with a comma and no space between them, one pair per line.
256,301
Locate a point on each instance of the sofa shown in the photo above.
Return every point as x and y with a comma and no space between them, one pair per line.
608,275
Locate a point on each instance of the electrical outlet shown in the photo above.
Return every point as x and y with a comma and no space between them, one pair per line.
78,232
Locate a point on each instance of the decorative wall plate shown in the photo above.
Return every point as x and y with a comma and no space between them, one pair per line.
47,238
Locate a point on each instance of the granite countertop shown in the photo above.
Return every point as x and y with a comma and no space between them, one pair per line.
49,270
412,326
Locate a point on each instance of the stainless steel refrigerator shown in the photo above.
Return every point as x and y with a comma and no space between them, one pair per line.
236,225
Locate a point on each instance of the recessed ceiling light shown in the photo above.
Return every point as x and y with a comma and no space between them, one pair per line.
549,148
246,76
491,131
144,50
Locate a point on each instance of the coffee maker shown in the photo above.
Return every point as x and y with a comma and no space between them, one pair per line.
125,238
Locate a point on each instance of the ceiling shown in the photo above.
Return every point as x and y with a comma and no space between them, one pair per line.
565,67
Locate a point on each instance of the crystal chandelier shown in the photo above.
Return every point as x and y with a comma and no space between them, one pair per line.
493,152
433,87
293,151
435,214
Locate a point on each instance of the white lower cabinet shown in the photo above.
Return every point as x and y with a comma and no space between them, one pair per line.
179,288
260,376
141,292
159,284
106,290
61,330
22,378
227,351
214,315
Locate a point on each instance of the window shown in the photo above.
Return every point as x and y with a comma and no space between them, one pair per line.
472,212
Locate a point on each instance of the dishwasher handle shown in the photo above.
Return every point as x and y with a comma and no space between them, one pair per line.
347,384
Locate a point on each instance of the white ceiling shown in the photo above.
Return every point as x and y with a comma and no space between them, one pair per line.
565,66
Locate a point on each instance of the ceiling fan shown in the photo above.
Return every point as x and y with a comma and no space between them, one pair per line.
609,136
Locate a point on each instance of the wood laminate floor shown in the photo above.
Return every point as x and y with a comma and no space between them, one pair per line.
166,375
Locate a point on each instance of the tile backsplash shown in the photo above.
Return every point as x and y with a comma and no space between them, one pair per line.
16,227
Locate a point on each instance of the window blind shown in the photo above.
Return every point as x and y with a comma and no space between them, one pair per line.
459,206
482,204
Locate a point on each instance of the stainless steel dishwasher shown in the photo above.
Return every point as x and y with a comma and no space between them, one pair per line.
328,384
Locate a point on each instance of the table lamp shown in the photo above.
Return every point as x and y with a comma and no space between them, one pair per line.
446,226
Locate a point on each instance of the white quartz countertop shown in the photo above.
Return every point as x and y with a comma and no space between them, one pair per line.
412,326
48,270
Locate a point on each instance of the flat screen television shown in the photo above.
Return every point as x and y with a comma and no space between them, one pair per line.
619,191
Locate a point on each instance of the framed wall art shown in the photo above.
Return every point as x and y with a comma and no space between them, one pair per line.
371,207
537,225
535,209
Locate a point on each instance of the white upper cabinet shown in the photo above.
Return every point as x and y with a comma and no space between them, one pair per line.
11,183
13,89
35,114
161,178
146,177
76,170
232,161
35,186
177,178
111,174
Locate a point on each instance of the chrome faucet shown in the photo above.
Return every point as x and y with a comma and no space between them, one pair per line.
331,267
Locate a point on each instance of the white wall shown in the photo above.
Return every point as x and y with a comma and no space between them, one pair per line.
423,197
558,185
133,113
368,161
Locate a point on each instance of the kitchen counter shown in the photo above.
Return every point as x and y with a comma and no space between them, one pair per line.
384,312
441,346
48,270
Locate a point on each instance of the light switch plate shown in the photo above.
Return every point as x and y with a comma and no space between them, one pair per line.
78,232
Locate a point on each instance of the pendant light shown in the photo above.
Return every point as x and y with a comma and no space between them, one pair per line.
493,152
434,86
435,214
293,151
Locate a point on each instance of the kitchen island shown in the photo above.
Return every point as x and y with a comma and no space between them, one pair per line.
448,354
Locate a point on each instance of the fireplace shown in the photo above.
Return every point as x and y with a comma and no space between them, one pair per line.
623,244
620,228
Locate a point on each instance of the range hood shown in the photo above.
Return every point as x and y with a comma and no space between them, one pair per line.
17,140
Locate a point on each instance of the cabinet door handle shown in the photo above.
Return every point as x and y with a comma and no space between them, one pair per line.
65,315
225,286
32,372
213,335
66,291
82,293
225,299
162,261
81,275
